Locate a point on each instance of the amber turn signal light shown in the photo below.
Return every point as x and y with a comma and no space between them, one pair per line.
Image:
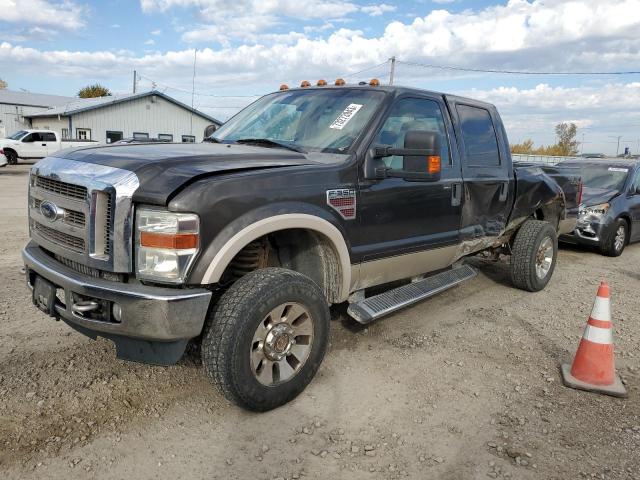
374,82
305,84
340,82
176,241
433,164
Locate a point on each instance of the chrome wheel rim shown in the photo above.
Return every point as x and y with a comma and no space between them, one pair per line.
621,236
281,344
544,258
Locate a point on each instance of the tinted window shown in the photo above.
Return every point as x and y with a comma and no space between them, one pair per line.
480,142
412,114
49,137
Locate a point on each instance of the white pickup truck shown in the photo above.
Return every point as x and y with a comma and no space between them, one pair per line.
33,144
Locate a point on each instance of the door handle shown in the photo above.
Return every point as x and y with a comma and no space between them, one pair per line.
504,191
456,194
44,144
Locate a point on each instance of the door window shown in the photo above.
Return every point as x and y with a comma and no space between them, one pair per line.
636,183
49,137
83,134
479,136
412,114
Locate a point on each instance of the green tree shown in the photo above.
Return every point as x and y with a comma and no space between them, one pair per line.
3,84
93,91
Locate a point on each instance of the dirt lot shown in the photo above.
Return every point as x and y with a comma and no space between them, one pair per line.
462,386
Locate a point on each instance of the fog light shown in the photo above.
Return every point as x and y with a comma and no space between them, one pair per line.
117,312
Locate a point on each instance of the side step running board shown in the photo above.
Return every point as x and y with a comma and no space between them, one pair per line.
390,301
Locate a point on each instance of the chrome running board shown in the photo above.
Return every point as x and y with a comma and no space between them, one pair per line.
372,308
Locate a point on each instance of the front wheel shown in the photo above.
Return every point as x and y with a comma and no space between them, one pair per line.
12,157
266,338
613,244
534,254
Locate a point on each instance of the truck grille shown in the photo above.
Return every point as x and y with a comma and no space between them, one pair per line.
69,241
61,188
93,222
71,217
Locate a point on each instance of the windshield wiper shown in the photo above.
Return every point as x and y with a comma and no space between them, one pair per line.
267,142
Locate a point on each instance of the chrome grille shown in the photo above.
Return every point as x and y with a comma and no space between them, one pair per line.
61,188
69,241
70,216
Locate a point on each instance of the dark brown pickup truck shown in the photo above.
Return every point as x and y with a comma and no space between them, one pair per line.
306,198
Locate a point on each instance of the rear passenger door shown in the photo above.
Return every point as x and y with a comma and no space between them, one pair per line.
486,170
50,142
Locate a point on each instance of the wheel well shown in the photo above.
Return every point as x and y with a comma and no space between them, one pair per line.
627,219
305,251
548,214
10,150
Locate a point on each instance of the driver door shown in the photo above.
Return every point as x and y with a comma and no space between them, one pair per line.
634,207
409,227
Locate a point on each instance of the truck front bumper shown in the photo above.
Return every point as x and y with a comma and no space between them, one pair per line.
154,323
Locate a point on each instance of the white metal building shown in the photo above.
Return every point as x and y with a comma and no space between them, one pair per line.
108,119
15,106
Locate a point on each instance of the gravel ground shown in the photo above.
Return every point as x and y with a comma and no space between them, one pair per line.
462,386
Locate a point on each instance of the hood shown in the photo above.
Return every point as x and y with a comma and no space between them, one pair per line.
596,196
163,168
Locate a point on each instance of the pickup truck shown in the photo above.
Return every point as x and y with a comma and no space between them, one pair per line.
306,198
34,144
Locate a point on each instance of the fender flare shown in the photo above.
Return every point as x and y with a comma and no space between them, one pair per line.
276,223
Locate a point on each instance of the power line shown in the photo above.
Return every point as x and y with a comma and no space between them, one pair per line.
509,72
366,69
169,87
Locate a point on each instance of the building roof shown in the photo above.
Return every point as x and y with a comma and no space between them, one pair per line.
77,105
29,99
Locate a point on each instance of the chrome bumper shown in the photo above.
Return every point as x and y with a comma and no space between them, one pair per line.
153,314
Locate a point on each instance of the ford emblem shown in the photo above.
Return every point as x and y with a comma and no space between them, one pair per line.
50,211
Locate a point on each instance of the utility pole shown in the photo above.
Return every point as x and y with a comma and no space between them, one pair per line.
193,87
618,147
135,81
393,70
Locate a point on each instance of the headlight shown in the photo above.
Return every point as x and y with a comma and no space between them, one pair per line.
594,211
167,244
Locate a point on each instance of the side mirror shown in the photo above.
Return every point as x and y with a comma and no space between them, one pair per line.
210,130
421,157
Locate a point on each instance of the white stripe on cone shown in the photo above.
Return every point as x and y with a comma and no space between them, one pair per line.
601,310
598,335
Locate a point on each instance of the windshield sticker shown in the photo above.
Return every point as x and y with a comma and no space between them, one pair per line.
348,113
616,169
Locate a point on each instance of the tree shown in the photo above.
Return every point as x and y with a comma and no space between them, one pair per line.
525,147
93,91
3,84
567,143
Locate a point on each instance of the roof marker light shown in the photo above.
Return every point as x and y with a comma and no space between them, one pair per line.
321,83
305,84
340,82
374,82
284,86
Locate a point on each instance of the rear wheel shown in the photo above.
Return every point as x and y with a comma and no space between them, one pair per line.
534,254
613,244
266,338
12,157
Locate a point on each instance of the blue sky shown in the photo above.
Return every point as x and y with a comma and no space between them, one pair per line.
249,47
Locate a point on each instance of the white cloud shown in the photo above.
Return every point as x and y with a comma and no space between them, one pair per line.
58,15
377,10
156,32
151,41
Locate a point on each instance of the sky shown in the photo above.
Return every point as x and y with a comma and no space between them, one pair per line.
246,48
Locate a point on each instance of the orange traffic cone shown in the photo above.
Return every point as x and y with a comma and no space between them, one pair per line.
593,367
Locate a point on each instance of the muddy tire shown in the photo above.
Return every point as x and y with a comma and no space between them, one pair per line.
265,338
614,242
534,255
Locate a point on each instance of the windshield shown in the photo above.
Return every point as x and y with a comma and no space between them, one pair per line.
603,177
313,120
18,135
